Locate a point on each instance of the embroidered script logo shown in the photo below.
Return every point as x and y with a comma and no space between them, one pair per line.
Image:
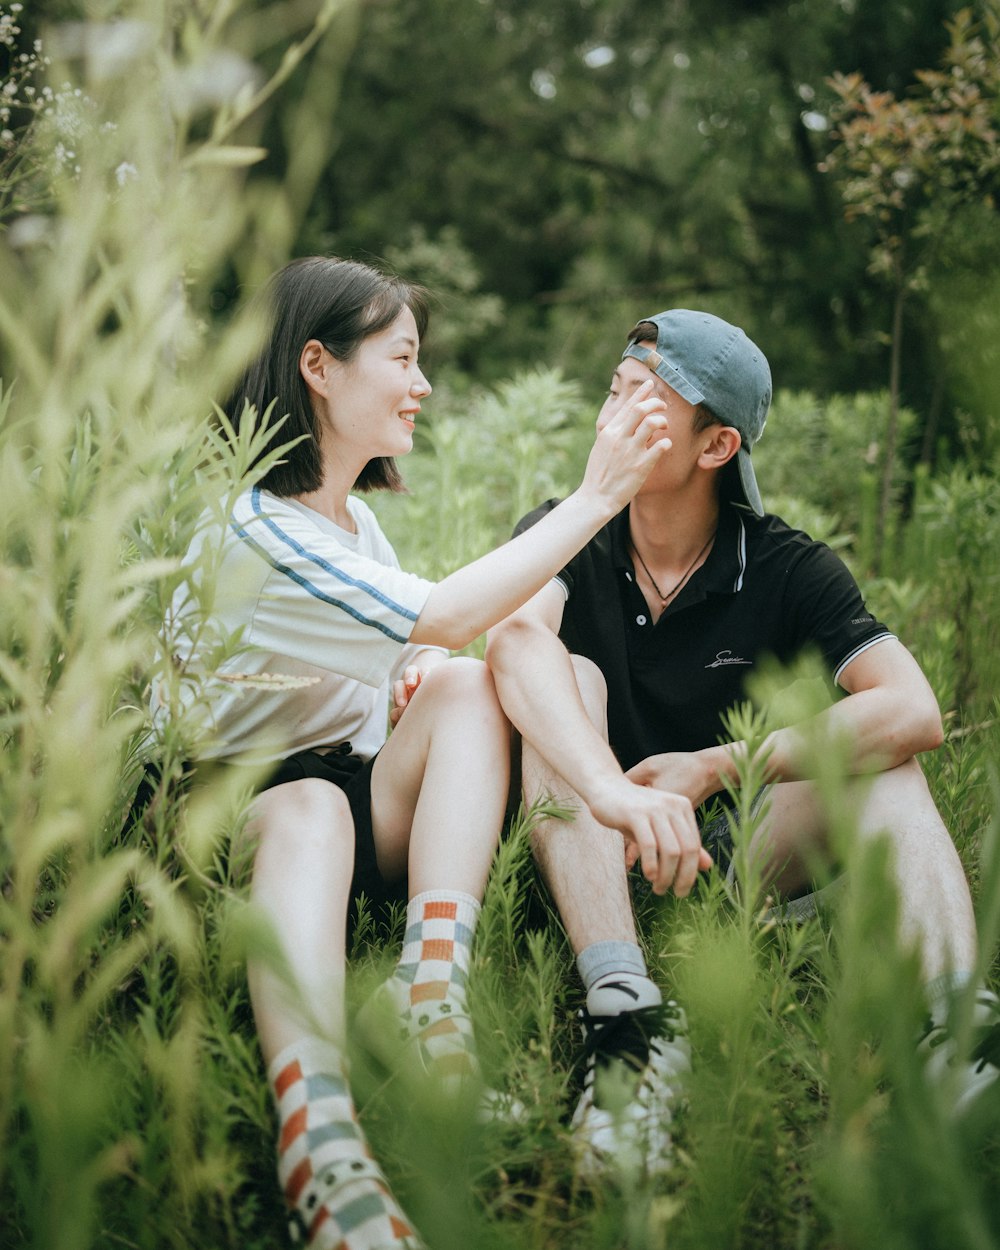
727,657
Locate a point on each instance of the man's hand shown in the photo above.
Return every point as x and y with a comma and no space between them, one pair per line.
695,774
660,832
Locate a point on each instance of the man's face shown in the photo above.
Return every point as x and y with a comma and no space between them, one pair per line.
625,381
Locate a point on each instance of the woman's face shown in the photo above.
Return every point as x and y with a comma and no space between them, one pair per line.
373,400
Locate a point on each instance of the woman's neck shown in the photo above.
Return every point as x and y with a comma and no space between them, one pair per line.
330,499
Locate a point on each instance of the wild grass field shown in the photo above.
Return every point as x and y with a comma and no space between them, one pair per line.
133,1105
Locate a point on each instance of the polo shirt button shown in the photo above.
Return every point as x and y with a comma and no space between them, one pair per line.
640,619
628,577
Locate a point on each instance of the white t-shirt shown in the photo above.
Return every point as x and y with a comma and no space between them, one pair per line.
307,600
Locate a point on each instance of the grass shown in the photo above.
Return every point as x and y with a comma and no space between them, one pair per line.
133,1105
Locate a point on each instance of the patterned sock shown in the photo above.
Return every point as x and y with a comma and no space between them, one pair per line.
428,987
336,1193
615,977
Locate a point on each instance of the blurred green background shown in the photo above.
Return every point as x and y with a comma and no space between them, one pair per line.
824,173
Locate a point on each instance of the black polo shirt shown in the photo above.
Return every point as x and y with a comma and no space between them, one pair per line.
765,590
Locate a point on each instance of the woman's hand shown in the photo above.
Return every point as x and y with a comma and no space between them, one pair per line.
626,449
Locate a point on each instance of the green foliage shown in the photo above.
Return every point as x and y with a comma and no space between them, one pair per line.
463,315
104,462
957,523
907,164
828,454
133,1105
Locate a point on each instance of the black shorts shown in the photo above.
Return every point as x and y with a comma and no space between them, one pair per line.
336,765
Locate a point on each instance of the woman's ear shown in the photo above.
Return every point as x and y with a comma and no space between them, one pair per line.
723,443
315,364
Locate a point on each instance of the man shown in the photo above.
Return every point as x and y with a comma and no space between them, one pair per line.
617,675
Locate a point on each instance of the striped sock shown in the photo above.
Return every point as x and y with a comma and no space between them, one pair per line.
336,1193
428,987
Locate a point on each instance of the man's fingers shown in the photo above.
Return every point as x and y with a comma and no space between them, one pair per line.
650,859
687,870
670,847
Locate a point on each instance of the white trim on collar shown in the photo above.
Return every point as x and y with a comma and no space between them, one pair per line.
741,556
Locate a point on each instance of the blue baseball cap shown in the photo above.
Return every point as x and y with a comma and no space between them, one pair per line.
708,361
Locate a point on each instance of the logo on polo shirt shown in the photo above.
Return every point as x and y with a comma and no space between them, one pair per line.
726,657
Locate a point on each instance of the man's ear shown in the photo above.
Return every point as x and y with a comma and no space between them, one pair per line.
723,443
314,365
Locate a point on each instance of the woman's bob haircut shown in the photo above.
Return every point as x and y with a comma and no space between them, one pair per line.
340,303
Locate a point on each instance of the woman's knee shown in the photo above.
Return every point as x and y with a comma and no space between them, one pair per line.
308,814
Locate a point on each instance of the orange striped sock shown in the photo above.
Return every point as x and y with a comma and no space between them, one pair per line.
431,977
337,1197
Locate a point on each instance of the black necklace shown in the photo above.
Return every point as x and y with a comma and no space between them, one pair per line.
664,598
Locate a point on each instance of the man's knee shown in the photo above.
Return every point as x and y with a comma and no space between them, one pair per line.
461,677
901,797
593,689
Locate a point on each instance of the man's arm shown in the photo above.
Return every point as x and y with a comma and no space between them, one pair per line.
538,690
889,715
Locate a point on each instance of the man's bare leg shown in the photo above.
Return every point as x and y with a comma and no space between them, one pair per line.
935,909
633,1036
581,861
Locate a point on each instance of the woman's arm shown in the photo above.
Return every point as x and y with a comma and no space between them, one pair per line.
476,597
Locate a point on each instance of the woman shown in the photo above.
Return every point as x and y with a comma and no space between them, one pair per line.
309,584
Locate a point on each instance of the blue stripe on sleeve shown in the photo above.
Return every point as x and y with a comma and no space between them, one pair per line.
310,587
325,565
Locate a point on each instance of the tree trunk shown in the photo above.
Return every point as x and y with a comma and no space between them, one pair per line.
892,425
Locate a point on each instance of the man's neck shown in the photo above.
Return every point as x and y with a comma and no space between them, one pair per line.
670,531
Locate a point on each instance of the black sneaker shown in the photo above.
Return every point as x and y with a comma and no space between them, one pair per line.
968,1075
636,1063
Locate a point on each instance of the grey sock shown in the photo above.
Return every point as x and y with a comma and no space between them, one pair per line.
600,958
616,979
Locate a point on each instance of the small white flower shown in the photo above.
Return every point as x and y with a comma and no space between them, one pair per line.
28,231
126,172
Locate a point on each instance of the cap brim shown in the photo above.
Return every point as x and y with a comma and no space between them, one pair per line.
748,482
665,370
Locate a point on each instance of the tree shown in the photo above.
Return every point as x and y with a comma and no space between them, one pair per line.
907,166
599,159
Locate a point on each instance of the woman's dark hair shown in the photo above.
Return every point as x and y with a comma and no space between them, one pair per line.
341,303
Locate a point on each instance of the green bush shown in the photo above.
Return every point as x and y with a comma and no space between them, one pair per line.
133,1105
